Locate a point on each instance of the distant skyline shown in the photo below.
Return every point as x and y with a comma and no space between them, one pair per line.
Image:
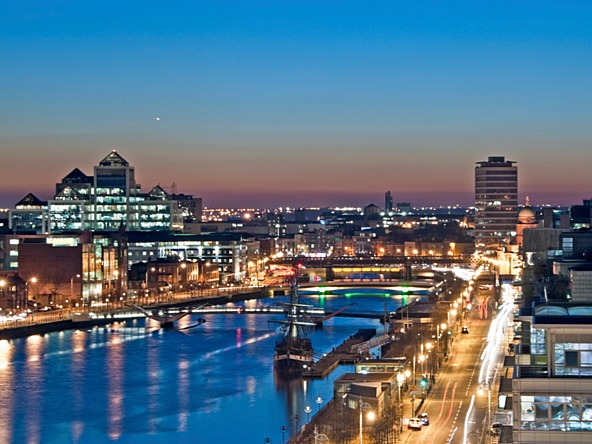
308,103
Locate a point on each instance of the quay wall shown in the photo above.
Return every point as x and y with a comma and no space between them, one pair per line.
65,322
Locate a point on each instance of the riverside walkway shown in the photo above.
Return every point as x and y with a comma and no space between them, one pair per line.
101,314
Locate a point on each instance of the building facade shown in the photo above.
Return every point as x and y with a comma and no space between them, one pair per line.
496,203
103,202
551,381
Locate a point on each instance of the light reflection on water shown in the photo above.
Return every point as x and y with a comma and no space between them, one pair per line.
33,376
134,383
6,389
114,367
78,367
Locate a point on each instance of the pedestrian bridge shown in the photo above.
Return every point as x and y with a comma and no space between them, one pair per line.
165,313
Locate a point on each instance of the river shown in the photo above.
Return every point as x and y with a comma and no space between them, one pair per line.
133,383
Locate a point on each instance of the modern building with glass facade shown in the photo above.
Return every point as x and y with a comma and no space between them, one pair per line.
103,202
551,378
29,215
496,203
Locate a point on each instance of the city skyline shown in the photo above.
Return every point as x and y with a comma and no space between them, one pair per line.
300,104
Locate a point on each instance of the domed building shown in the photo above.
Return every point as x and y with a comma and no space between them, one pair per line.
527,216
526,219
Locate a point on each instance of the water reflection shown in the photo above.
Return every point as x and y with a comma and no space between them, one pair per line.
135,383
290,391
152,374
6,389
115,395
33,378
183,389
77,374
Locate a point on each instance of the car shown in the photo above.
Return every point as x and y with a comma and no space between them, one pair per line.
465,330
424,418
414,424
496,429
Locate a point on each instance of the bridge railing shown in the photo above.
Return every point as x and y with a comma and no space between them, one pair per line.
382,260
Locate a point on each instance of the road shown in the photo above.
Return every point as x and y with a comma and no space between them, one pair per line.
458,414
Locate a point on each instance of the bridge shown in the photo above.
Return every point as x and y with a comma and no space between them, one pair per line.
403,266
315,314
166,312
390,261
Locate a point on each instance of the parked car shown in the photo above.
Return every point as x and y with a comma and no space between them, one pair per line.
465,330
414,424
424,418
496,428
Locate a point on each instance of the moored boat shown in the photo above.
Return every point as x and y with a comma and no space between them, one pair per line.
293,348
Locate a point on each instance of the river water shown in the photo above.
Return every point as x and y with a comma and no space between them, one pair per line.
134,383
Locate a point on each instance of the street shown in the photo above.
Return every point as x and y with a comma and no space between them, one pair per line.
458,414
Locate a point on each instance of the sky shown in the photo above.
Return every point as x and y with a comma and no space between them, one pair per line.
298,103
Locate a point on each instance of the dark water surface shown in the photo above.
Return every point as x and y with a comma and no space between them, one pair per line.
133,383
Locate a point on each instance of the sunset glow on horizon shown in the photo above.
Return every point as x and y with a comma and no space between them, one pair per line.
299,103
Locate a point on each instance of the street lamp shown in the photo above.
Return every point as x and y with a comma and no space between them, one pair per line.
319,401
308,409
26,295
283,430
364,406
414,359
146,287
400,382
72,286
429,364
422,381
440,329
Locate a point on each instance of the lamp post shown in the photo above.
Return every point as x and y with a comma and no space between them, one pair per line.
148,270
442,349
414,357
307,410
26,295
400,382
429,364
72,286
183,274
283,430
319,401
364,406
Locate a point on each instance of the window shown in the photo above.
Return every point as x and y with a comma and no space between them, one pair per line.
567,246
571,359
562,413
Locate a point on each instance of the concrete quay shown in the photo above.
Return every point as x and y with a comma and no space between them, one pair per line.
74,318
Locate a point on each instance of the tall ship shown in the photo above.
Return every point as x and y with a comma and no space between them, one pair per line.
293,348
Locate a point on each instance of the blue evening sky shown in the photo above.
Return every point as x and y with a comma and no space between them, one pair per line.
264,103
